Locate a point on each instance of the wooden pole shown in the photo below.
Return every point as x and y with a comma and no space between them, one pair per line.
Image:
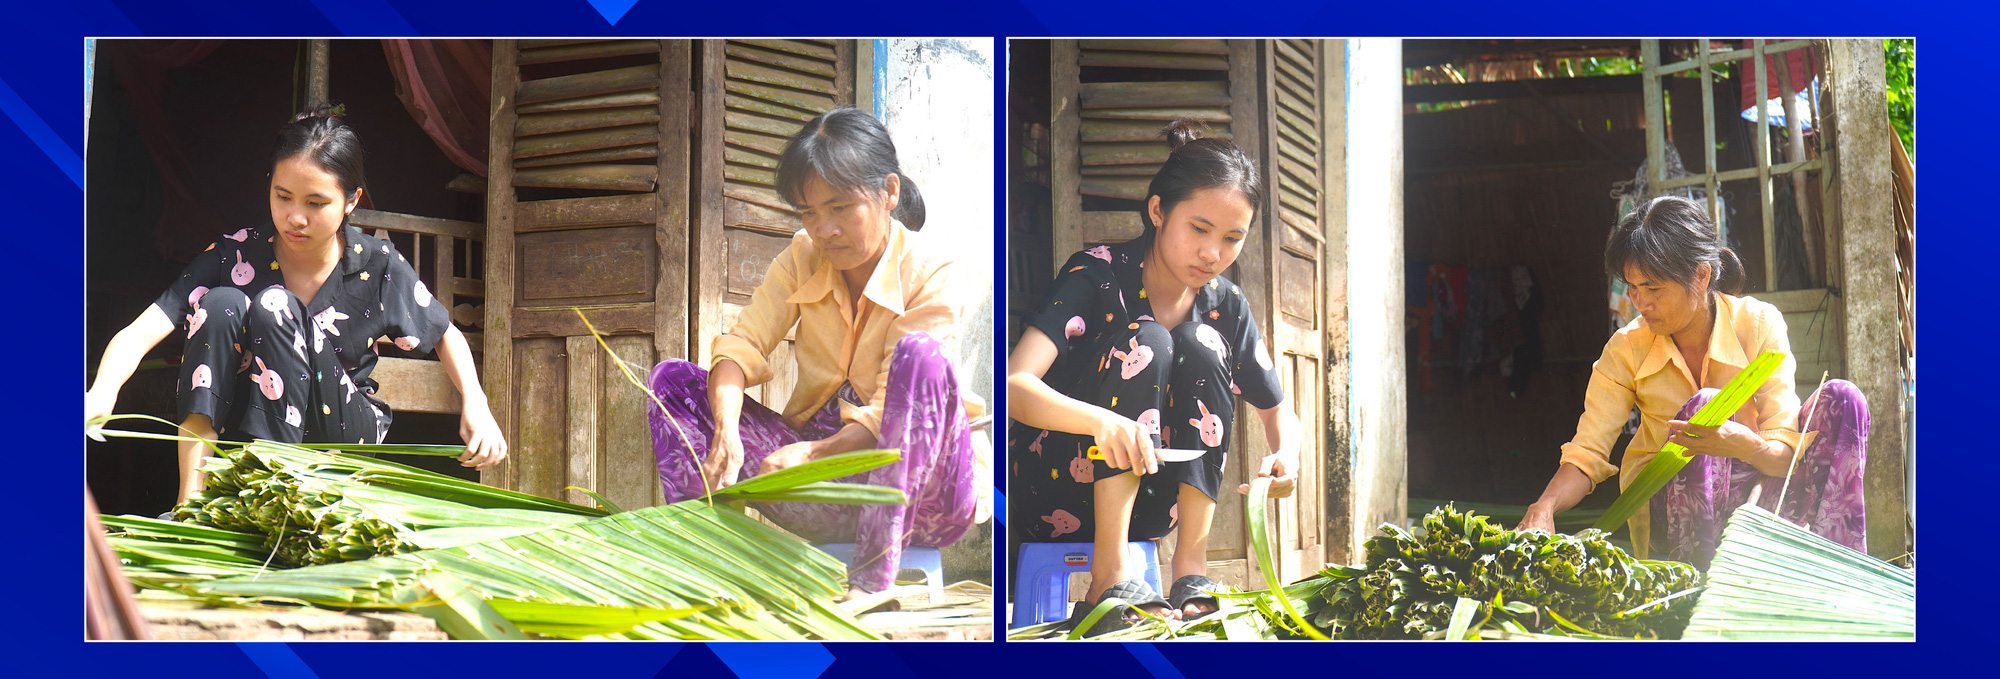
1764,167
1656,117
318,78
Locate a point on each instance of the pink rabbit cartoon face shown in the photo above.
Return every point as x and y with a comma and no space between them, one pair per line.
195,295
203,377
241,235
1063,521
1081,469
242,272
292,415
273,300
1134,361
1263,355
407,343
1074,328
1208,337
268,381
323,325
423,295
1100,252
1150,420
1210,425
195,320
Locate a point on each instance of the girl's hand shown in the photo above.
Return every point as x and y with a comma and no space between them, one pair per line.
485,445
1283,470
1126,444
96,405
791,455
725,458
1731,439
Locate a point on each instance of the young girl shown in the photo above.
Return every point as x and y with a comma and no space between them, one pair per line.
281,318
874,309
1143,345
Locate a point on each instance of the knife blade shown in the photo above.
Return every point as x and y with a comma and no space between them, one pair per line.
1165,454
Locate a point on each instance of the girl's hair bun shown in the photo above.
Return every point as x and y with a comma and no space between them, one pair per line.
1182,131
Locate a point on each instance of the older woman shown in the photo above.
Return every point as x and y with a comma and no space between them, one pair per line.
1693,335
874,311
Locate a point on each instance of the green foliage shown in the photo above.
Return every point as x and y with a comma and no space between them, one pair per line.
1900,65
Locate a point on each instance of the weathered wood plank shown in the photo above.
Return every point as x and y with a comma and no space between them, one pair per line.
754,194
1161,60
816,50
777,77
576,213
1146,170
1123,153
601,177
1140,130
499,359
470,287
616,153
395,221
537,452
415,386
672,311
738,50
1205,115
1129,188
619,319
735,119
1111,227
736,213
626,471
1153,94
750,175
553,42
748,104
611,265
585,140
768,144
467,182
570,121
1215,47
764,96
706,259
615,100
588,84
587,50
1066,200
750,257
585,372
745,156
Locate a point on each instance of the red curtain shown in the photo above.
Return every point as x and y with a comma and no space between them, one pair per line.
446,85
1801,63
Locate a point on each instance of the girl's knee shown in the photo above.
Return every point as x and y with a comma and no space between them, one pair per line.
224,300
1836,393
276,307
1198,343
1144,348
674,370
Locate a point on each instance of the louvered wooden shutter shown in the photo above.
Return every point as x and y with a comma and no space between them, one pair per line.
580,116
754,95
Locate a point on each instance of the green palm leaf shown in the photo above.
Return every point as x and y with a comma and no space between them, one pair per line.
1773,580
1673,457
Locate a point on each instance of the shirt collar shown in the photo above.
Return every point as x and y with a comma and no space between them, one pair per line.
1128,261
357,250
885,284
1723,347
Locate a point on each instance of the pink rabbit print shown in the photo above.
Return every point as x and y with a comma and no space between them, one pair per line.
323,324
423,295
203,377
1074,328
1064,522
348,383
195,295
268,381
1081,469
273,300
292,415
408,343
1210,425
195,320
1036,446
1134,361
1150,420
1100,252
241,235
1208,337
242,272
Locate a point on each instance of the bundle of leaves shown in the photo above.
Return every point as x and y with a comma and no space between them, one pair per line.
1524,581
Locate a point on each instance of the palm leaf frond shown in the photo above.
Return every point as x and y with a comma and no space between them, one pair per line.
1773,580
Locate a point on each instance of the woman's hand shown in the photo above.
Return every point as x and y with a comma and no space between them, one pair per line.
1125,444
1731,439
725,458
791,455
96,405
1282,467
1539,516
485,445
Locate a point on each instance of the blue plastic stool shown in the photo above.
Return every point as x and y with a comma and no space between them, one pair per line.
1041,578
926,559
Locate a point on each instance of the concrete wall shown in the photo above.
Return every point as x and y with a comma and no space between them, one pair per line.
936,97
1378,439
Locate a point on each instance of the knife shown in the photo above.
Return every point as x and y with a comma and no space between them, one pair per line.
1165,454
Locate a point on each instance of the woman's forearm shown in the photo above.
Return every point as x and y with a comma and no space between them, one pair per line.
1033,402
456,355
850,438
1568,487
1771,457
122,355
1282,429
725,393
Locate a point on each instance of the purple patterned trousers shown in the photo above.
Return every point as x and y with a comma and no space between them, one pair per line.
1824,495
923,416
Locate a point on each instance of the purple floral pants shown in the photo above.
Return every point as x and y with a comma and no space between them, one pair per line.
923,416
1825,493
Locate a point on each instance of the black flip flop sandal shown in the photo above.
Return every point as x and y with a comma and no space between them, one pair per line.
1194,588
1136,594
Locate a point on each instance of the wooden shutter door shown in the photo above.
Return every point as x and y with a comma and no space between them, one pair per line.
615,137
754,95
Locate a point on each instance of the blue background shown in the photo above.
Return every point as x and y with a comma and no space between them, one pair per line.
41,142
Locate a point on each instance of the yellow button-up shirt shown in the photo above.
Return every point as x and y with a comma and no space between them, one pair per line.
1648,370
839,340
